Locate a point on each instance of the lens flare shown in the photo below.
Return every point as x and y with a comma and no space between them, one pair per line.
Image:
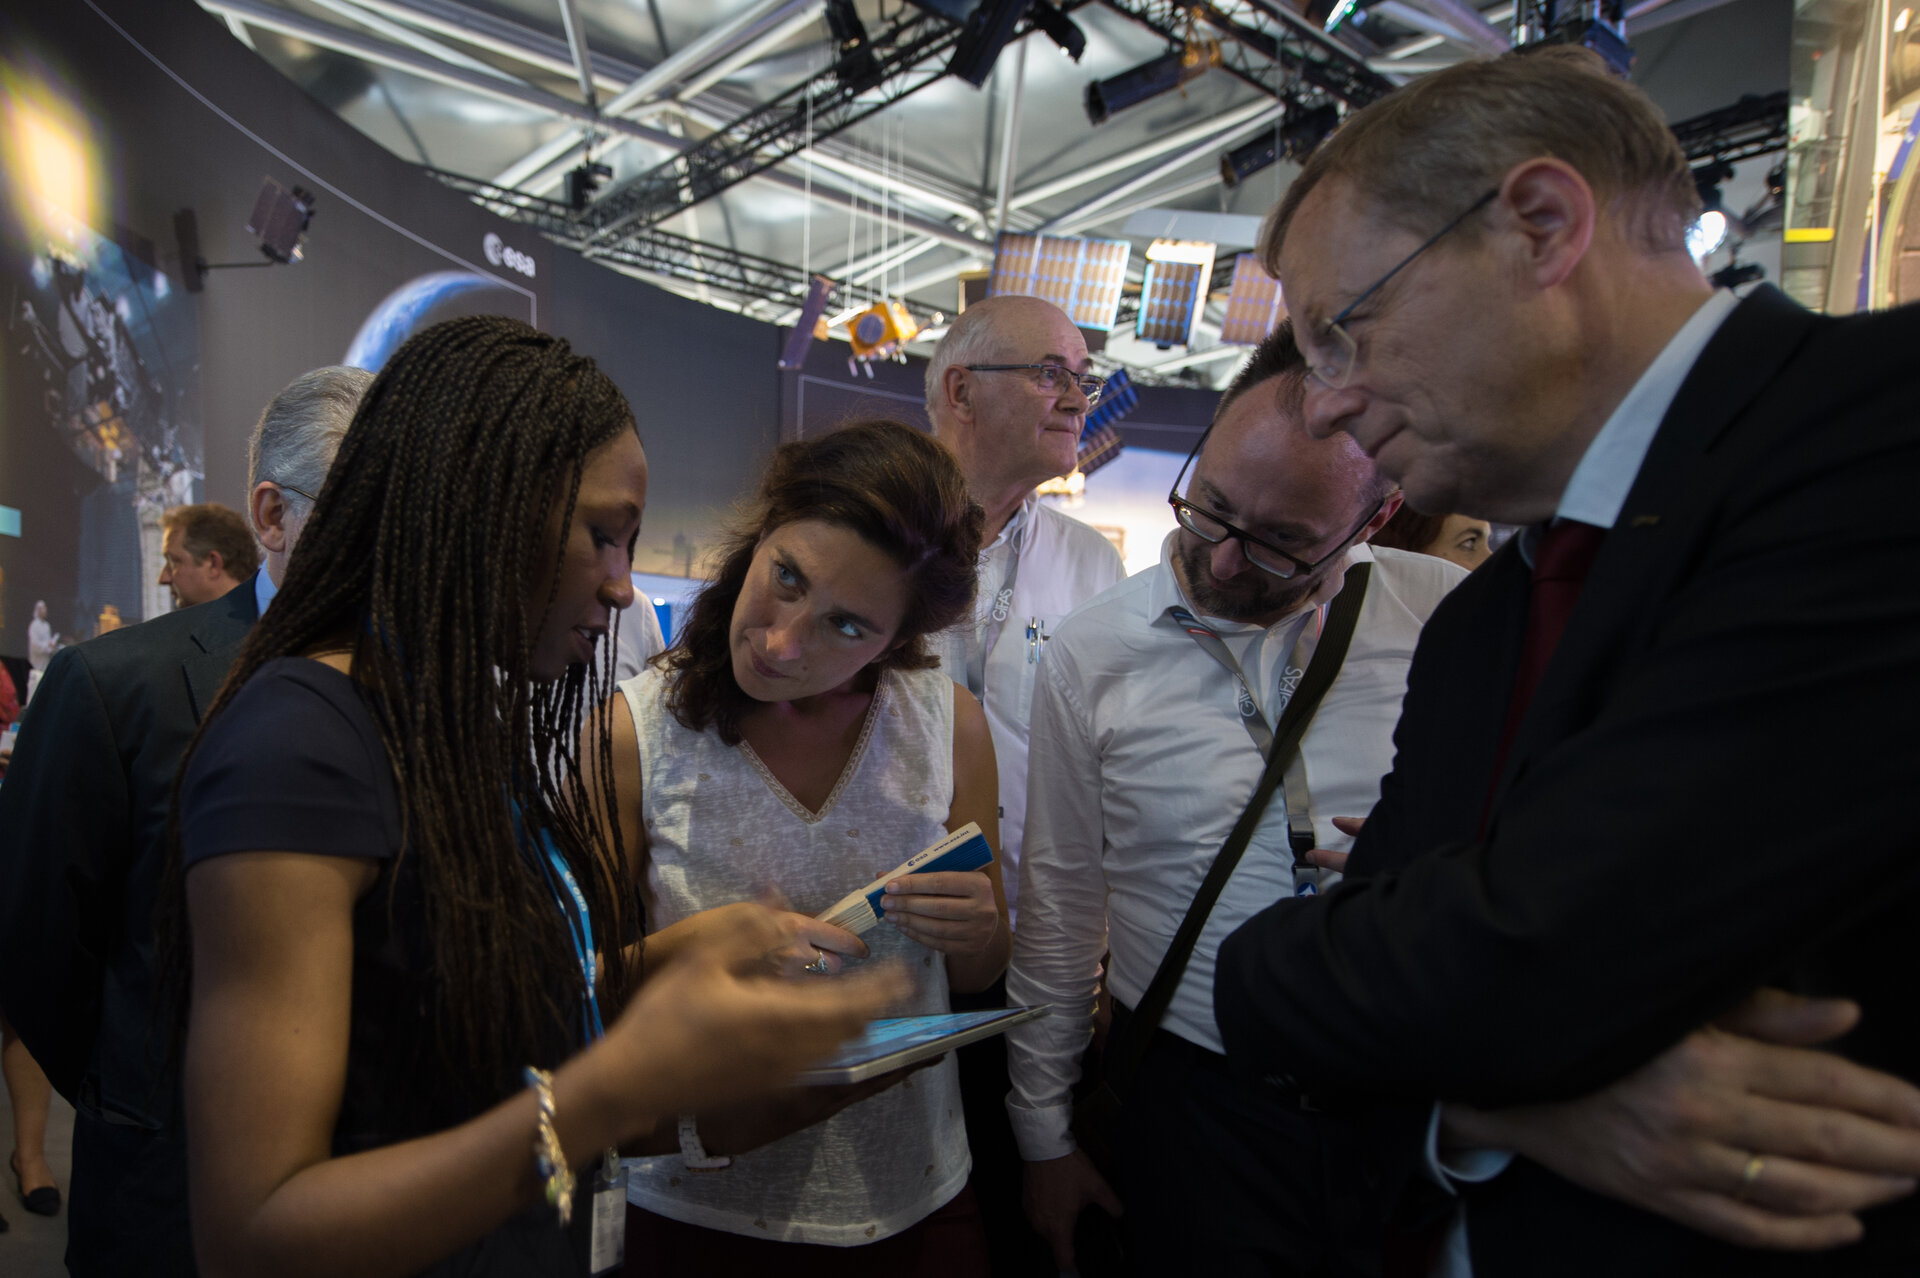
53,166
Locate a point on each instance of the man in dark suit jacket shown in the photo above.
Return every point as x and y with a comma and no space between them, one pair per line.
1639,779
83,843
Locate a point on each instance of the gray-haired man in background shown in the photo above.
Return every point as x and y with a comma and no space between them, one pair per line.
83,833
1008,389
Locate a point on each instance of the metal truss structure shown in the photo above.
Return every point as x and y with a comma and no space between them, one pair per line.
1755,125
870,75
1267,50
650,249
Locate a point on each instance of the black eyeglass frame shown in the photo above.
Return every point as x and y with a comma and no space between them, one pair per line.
1183,510
1338,322
1079,380
281,483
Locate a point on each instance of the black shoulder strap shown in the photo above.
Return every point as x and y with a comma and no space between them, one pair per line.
1128,1046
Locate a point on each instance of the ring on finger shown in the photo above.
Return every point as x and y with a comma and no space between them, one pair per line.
819,965
1750,1176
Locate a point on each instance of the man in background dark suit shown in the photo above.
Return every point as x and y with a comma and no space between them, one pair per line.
83,832
1659,754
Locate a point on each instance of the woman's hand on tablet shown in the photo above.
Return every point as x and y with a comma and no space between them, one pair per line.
713,1027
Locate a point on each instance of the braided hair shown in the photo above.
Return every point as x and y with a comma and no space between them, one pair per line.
436,522
894,486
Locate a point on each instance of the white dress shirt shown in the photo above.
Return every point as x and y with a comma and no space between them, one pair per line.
1594,495
1063,564
1140,768
639,641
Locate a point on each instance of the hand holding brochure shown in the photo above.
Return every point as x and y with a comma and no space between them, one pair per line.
965,849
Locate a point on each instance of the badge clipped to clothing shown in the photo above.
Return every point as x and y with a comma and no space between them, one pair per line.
607,1253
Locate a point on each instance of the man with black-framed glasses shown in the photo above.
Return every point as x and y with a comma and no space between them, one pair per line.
1158,706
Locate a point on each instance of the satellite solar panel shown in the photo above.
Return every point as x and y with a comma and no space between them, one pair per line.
1082,277
1254,303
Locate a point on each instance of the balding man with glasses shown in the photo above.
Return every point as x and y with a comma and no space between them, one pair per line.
1008,390
1160,707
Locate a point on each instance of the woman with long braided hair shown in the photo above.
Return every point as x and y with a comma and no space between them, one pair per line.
387,904
799,738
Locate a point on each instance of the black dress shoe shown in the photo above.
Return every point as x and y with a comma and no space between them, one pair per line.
44,1201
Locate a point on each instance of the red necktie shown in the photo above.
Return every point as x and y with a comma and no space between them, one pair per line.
1561,560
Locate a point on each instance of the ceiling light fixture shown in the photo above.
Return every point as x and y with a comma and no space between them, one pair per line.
1171,70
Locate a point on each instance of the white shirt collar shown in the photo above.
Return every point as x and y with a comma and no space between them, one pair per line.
1606,472
1022,515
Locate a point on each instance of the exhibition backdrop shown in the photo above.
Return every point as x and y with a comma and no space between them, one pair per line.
123,393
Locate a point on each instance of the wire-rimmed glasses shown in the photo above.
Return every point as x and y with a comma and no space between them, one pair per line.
1052,379
1334,362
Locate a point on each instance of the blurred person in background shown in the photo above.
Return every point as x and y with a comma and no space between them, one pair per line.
206,551
1461,538
82,842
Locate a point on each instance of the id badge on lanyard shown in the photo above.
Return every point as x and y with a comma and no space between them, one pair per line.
608,1252
607,1249
1307,879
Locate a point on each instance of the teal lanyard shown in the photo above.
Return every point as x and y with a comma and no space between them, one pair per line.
573,907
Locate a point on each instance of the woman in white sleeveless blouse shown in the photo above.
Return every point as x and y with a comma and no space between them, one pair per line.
795,743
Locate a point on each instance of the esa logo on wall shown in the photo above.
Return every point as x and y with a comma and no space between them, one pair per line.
501,255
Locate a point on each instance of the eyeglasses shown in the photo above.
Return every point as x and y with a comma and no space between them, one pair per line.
1334,367
1264,555
290,488
1052,379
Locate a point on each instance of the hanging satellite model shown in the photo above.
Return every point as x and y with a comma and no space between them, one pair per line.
881,332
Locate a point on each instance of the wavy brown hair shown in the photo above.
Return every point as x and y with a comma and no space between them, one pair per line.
892,485
433,528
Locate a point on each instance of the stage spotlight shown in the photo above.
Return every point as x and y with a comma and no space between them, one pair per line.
1302,130
987,31
280,218
583,181
1247,159
1061,29
855,66
1170,71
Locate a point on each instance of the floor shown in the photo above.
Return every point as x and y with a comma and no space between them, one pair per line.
33,1247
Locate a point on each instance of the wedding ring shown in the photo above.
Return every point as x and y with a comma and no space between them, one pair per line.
819,965
1750,1176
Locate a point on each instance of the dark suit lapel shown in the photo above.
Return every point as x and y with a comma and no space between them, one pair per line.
218,636
1666,513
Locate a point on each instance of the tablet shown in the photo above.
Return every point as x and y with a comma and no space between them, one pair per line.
903,1040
